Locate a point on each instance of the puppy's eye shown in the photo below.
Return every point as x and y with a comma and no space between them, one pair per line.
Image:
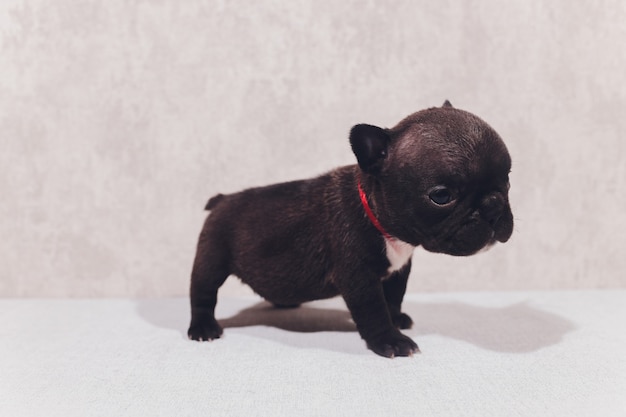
440,195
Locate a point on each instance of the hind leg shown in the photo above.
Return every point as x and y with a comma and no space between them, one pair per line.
210,270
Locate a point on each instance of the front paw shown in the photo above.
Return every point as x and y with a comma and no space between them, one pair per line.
393,344
205,331
402,321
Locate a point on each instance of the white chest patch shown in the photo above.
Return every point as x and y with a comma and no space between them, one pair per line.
398,253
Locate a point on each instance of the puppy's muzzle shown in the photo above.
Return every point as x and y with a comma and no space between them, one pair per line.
494,210
491,208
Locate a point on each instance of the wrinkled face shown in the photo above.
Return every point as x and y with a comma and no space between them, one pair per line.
445,183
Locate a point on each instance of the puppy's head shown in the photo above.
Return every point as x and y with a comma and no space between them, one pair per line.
439,179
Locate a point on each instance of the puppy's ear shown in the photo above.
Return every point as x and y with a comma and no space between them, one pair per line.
369,144
447,104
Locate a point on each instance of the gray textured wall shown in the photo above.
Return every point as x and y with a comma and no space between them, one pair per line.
118,119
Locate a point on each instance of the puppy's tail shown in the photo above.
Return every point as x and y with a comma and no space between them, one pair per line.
214,201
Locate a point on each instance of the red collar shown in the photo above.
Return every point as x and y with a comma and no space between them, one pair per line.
371,214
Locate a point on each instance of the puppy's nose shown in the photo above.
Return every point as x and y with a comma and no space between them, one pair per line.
491,208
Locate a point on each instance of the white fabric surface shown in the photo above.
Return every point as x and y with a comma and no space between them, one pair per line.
556,353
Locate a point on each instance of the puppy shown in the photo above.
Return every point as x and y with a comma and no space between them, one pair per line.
438,179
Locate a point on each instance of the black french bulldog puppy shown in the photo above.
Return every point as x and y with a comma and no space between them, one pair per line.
438,179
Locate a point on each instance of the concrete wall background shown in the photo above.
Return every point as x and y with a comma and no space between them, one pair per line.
119,119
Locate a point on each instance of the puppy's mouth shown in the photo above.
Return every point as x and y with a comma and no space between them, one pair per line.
471,237
492,241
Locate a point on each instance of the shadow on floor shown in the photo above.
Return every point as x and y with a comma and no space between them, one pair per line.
517,328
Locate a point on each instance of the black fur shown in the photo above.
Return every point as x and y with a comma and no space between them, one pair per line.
311,239
369,144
